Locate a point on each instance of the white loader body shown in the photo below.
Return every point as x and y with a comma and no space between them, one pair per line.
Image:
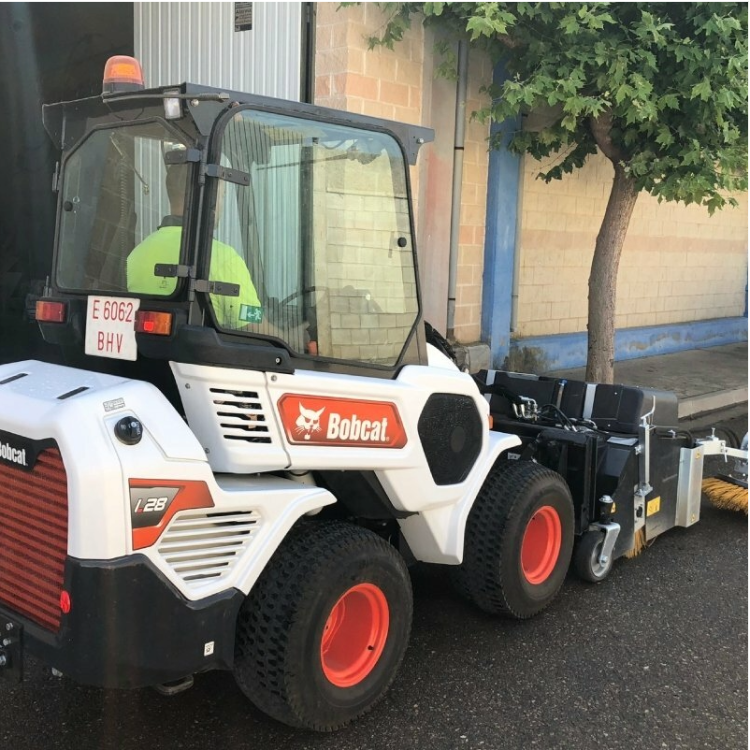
203,551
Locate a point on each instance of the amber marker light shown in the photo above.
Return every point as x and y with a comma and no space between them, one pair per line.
122,73
50,312
150,321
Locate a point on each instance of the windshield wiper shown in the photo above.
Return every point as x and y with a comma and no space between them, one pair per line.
205,97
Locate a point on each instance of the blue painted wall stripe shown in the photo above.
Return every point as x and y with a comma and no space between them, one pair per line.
568,350
500,237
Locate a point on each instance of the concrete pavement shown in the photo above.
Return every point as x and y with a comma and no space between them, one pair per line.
704,380
654,658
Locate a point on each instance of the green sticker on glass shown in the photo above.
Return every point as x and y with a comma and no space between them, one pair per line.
250,314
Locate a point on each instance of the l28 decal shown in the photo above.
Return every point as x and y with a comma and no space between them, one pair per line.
153,504
320,420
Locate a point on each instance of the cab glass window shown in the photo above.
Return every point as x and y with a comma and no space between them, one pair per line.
323,232
121,211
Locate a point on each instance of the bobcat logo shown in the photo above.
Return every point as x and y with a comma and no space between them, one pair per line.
308,421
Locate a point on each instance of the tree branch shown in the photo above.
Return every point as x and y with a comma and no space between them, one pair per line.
508,41
601,129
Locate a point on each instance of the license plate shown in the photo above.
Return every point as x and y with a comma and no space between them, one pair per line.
110,327
11,652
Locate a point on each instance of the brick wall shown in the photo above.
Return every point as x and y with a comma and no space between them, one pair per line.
398,84
678,263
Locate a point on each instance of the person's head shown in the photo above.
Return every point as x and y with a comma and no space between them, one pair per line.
176,176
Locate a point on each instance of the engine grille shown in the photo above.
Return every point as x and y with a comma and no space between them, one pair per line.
34,538
205,546
241,415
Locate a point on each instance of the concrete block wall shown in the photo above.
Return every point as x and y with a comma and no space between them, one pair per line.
678,263
399,84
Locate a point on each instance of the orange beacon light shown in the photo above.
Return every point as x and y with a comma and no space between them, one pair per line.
122,73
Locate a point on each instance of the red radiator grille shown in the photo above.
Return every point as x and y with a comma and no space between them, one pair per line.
34,538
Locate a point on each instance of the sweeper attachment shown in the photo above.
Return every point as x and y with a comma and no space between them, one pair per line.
633,472
254,433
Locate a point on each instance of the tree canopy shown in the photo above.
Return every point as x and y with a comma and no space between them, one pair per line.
660,88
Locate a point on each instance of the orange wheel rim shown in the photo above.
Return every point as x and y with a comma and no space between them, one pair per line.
540,548
354,635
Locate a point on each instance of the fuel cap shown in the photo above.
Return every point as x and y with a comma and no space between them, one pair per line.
129,430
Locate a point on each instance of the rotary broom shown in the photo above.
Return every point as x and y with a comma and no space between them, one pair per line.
729,491
725,491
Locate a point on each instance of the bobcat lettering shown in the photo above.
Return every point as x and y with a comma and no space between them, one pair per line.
357,429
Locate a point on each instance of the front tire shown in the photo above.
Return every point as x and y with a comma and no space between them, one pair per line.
323,632
519,541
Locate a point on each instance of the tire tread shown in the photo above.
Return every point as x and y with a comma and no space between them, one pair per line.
277,601
480,577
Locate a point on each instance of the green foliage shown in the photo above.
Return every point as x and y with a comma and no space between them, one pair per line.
661,88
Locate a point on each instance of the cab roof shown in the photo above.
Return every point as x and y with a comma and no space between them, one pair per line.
204,104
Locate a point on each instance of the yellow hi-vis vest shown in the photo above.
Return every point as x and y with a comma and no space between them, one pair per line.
163,246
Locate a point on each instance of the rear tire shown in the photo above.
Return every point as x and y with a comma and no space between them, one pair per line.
519,541
323,632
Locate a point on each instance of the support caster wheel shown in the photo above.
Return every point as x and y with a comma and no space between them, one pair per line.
586,561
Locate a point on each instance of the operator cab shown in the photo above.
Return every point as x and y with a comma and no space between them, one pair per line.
202,226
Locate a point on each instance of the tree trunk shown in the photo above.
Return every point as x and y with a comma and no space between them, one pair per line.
603,278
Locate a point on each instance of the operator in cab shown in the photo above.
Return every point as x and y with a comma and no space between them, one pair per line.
163,246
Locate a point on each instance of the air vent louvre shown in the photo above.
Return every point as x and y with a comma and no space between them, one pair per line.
241,415
202,547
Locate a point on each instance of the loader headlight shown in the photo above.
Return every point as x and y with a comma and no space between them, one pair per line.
172,106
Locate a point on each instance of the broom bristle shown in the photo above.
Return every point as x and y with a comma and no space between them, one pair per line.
722,494
725,495
639,543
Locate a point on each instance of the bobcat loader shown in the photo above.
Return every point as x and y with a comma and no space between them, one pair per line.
253,433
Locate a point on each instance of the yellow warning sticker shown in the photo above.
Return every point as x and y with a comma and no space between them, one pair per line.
653,506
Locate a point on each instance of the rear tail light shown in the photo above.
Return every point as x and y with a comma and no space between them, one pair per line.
158,323
65,603
51,312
